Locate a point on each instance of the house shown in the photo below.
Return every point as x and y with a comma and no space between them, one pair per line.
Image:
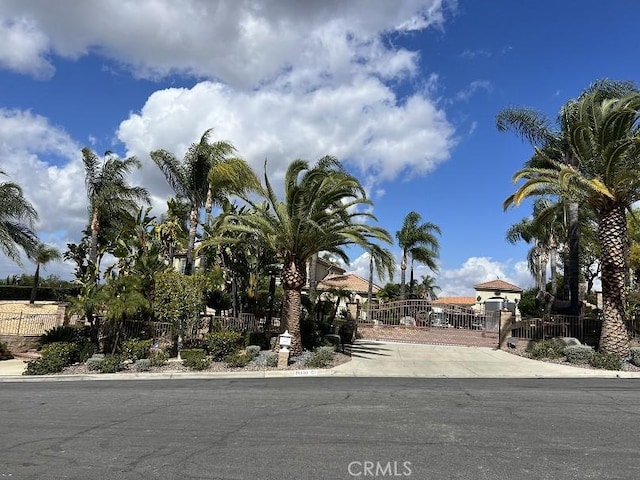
496,295
356,285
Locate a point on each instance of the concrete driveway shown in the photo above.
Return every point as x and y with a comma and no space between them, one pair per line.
382,359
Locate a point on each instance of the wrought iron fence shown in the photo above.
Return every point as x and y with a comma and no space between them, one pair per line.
425,314
27,324
585,328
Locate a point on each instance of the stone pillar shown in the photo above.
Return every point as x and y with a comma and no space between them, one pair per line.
507,320
61,314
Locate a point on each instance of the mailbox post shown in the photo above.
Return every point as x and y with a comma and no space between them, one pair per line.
283,353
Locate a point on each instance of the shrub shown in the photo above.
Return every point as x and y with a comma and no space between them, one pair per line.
59,334
635,356
253,350
256,338
272,359
95,362
5,354
606,361
579,354
321,358
238,360
546,349
158,359
195,359
112,364
136,349
222,344
142,365
55,357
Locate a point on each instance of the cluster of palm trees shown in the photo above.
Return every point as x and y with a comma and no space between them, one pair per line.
585,174
324,209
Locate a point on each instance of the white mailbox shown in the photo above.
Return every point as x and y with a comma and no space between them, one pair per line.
285,340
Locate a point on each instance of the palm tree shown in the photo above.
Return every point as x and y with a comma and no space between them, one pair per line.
17,216
381,260
553,142
418,241
604,137
319,213
428,287
41,257
206,176
111,198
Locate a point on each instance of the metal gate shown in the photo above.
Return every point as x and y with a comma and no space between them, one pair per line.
422,321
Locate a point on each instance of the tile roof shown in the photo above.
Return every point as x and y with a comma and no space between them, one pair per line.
455,300
347,281
498,285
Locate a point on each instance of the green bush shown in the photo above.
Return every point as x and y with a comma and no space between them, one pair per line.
69,334
256,338
635,356
239,360
142,365
5,354
579,354
222,344
55,357
195,359
546,349
272,359
95,362
158,359
112,364
59,333
322,357
136,349
253,350
606,361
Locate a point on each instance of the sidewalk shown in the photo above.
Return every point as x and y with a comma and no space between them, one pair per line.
373,359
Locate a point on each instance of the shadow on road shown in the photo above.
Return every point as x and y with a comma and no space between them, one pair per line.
362,349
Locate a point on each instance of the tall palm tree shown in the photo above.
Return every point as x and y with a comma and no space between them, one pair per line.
206,176
552,141
17,216
381,260
319,213
43,255
111,198
420,243
604,137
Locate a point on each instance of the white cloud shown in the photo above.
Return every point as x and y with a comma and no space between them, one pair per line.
460,281
46,163
472,89
23,48
361,123
241,43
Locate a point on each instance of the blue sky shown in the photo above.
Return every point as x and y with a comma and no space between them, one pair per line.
405,93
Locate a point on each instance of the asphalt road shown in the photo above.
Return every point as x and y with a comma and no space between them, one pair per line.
321,428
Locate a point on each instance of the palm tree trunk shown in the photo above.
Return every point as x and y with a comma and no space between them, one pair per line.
403,274
93,248
411,279
313,283
36,280
193,227
553,260
370,288
612,234
573,269
293,279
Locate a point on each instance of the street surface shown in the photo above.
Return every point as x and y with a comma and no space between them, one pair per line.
321,428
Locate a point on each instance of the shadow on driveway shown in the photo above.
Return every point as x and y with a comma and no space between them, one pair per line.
363,349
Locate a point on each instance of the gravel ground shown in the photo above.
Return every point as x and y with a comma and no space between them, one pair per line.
520,350
173,365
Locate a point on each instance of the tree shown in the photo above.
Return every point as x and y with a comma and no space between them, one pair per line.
428,287
381,260
319,213
604,137
553,142
17,216
206,176
41,257
111,198
420,243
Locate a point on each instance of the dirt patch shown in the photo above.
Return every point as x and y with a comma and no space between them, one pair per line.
23,306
